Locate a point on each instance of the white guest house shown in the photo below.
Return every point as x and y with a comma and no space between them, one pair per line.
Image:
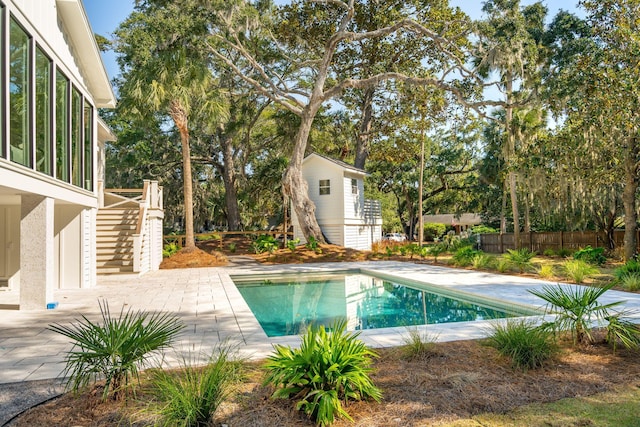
51,162
345,217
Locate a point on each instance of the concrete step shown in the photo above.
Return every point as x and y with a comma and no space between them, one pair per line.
117,257
115,263
114,270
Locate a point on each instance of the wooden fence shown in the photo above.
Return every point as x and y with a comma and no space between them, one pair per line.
539,242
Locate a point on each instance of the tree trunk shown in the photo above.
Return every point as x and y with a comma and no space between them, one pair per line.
510,155
503,209
362,141
230,193
629,199
295,186
180,118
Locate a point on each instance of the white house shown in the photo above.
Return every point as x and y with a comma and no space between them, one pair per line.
345,217
51,157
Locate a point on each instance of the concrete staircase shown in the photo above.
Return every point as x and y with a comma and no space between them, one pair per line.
115,229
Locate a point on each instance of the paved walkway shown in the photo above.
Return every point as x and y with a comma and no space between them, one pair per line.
213,310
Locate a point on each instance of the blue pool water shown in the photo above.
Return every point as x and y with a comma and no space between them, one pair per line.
286,306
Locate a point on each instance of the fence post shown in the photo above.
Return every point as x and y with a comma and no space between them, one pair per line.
500,244
561,240
531,241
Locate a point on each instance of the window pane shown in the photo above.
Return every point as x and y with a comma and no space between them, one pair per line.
88,146
325,187
19,94
62,127
43,112
76,141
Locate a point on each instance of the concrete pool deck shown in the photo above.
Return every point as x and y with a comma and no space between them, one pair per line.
210,305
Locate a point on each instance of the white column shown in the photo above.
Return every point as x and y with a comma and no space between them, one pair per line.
36,252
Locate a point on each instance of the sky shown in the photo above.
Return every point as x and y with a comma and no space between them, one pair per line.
105,16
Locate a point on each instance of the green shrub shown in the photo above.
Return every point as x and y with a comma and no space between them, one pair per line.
623,332
575,307
527,346
630,267
265,243
328,368
520,258
292,244
191,395
436,250
403,249
418,345
464,256
452,242
482,229
170,249
578,270
549,252
115,349
312,244
630,282
232,247
503,265
482,260
434,230
593,256
546,271
564,252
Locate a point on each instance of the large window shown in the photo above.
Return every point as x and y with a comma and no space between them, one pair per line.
19,94
76,138
325,187
88,146
62,127
43,113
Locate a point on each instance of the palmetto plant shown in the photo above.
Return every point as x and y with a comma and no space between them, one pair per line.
328,368
521,258
576,307
114,349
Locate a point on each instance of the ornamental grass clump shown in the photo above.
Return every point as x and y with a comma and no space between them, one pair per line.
115,349
329,368
578,270
526,345
417,344
191,395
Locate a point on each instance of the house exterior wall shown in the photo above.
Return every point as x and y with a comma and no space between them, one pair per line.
55,33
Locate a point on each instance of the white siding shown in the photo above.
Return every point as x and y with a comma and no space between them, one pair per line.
88,248
329,208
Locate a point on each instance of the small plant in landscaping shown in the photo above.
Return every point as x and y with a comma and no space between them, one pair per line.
527,345
464,256
403,249
312,244
630,267
191,395
482,261
564,252
418,345
578,270
630,282
115,349
593,256
520,258
503,265
265,243
622,331
170,249
436,250
293,244
328,368
546,271
232,247
549,252
575,307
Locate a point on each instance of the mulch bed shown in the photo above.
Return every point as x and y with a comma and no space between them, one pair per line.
457,380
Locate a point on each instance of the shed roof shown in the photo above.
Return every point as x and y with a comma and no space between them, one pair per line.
341,164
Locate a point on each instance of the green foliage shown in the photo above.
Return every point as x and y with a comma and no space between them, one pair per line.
546,271
564,252
207,237
623,332
312,244
329,367
452,242
115,349
593,256
527,346
578,270
436,250
482,229
482,261
503,265
403,249
630,282
464,256
265,243
292,244
549,252
418,345
191,395
170,249
630,267
232,247
575,307
433,231
520,258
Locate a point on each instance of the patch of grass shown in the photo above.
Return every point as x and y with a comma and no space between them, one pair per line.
503,265
578,270
418,344
611,409
630,282
546,271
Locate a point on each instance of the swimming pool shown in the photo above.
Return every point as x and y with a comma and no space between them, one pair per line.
286,305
